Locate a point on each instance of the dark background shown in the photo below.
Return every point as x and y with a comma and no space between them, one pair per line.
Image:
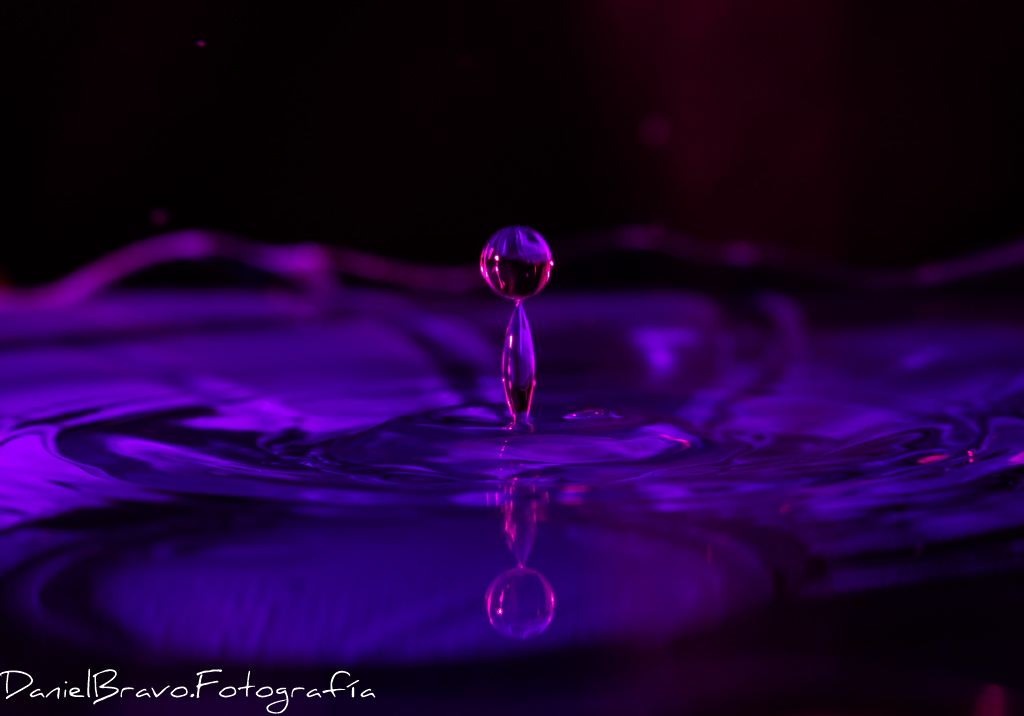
879,134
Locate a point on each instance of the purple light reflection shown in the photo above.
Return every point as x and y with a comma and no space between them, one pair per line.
354,459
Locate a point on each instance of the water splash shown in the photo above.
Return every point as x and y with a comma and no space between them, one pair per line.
516,263
266,458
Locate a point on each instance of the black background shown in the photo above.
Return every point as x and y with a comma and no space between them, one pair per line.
869,133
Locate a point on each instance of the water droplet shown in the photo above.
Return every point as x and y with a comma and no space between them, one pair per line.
520,603
516,262
518,366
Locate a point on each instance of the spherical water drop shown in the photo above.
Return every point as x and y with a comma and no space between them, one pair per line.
520,603
516,262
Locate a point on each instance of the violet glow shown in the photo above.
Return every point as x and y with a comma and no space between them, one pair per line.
313,266
349,484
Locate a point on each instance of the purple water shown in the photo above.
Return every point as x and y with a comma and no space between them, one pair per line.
295,485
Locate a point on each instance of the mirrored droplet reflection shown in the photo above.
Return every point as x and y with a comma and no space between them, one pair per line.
521,507
516,262
520,603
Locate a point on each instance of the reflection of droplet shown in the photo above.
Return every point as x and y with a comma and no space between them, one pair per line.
520,511
520,603
516,262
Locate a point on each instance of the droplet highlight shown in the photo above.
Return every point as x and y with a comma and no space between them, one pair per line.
516,262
